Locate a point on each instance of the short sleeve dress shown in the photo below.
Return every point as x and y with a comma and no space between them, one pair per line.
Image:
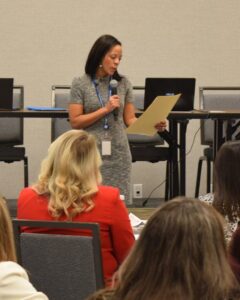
116,168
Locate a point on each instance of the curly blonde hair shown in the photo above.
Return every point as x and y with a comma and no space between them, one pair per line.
70,174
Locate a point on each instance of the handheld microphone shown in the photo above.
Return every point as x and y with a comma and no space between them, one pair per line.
113,86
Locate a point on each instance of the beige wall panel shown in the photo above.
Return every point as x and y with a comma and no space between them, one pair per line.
46,42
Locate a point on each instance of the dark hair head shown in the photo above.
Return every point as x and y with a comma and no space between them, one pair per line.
227,180
181,254
99,49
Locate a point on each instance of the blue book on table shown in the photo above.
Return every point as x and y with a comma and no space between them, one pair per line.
31,107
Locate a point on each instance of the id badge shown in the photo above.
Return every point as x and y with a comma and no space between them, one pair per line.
106,147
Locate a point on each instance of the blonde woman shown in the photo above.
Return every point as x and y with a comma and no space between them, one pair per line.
181,254
69,188
14,282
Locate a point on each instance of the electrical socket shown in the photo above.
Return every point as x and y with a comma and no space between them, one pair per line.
137,190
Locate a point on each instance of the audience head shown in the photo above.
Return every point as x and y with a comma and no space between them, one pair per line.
97,53
70,174
227,180
104,294
7,246
181,254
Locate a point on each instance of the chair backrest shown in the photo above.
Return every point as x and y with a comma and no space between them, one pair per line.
66,267
216,98
11,132
138,93
60,98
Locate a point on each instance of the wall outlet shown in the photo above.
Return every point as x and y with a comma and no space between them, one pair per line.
137,190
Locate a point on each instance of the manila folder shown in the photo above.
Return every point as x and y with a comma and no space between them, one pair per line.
155,113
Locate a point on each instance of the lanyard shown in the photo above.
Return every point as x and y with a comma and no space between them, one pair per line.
100,99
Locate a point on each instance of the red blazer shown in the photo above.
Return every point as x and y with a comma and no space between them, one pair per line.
110,212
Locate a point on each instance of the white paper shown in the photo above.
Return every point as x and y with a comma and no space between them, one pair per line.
135,221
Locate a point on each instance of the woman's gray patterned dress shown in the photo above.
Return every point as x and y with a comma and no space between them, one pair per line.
116,169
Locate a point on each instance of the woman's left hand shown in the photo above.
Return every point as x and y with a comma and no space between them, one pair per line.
161,126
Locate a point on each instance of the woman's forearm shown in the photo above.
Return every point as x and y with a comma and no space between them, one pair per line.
81,121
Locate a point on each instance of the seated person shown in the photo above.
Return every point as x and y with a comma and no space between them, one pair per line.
234,253
14,282
69,188
226,196
180,254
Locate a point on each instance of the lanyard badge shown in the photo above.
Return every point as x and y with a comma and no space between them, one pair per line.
100,99
106,144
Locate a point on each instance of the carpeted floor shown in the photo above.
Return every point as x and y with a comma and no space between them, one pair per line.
153,202
144,212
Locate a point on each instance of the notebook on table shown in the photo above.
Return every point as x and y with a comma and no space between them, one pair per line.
168,87
45,108
6,93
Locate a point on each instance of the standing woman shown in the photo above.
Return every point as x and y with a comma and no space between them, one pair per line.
94,107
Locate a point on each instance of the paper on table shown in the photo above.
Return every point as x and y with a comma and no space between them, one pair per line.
156,112
135,221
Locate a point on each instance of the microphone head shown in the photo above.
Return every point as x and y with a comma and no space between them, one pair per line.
113,83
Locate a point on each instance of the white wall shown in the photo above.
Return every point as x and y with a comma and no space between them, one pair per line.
46,42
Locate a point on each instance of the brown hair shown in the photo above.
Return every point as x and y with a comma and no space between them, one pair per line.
7,246
103,294
181,254
227,180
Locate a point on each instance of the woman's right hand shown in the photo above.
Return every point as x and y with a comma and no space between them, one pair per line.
114,102
79,120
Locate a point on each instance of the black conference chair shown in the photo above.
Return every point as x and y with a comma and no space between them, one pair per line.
214,98
150,149
11,135
66,267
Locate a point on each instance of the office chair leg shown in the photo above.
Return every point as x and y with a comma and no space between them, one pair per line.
208,176
25,171
167,182
199,171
